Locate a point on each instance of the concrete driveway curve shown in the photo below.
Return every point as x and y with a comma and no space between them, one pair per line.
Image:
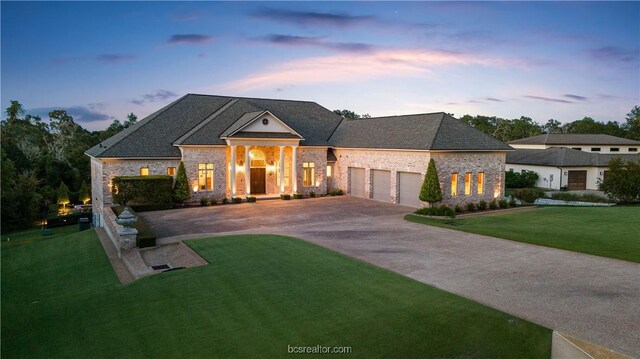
593,298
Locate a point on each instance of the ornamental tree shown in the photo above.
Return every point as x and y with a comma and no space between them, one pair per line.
181,190
430,191
85,193
622,181
63,194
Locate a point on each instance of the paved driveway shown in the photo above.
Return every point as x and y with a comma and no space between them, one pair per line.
589,297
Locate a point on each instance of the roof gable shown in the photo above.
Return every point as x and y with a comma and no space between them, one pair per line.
256,123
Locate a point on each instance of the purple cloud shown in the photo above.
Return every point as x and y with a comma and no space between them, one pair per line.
547,99
613,53
576,97
115,58
79,113
493,99
189,39
311,18
160,95
291,40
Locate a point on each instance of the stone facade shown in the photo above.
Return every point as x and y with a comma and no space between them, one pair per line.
192,156
319,157
492,164
389,160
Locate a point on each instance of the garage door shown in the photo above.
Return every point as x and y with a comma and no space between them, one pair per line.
577,180
381,185
409,189
356,182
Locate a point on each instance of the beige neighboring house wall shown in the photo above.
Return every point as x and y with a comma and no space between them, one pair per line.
606,149
390,160
594,175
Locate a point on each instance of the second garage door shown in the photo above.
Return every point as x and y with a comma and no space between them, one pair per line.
409,189
356,182
381,181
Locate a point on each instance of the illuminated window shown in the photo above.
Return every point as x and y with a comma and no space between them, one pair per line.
308,174
330,170
454,184
467,183
171,171
480,182
205,176
144,171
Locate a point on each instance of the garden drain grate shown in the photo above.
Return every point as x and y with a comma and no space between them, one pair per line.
160,267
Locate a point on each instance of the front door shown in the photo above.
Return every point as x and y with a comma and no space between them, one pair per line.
258,181
577,180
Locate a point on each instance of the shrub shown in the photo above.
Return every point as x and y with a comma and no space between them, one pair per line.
503,203
458,208
285,197
297,196
522,179
225,201
512,202
142,190
587,197
181,191
212,201
204,201
336,192
482,205
312,194
622,181
436,211
236,200
251,199
528,195
470,207
493,204
430,191
145,237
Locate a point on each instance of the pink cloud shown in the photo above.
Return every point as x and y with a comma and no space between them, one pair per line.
353,67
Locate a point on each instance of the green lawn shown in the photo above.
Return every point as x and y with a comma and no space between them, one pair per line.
606,231
258,295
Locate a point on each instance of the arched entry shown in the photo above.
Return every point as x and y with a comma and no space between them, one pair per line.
258,172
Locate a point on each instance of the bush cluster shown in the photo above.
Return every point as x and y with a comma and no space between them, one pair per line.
528,195
142,190
522,179
436,211
236,200
336,192
586,197
297,196
285,197
251,199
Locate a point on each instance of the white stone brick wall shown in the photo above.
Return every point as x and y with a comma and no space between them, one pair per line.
319,157
491,163
192,156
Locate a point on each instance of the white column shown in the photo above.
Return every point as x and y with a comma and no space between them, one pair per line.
294,165
247,171
281,169
233,171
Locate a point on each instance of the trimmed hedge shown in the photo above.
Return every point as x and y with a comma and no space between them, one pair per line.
297,196
436,211
145,237
528,195
136,191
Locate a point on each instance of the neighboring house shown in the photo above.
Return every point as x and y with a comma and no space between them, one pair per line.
247,146
574,161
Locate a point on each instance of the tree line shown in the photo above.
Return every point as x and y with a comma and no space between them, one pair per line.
44,162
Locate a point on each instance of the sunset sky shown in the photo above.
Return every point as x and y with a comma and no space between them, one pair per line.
102,60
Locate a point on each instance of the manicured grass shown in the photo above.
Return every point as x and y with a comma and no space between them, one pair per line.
608,232
258,295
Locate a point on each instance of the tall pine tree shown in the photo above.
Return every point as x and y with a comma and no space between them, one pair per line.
181,191
430,191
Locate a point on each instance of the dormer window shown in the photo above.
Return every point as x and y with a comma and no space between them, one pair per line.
265,121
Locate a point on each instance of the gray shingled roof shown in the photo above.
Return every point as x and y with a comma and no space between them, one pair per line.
431,131
202,119
570,139
564,157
